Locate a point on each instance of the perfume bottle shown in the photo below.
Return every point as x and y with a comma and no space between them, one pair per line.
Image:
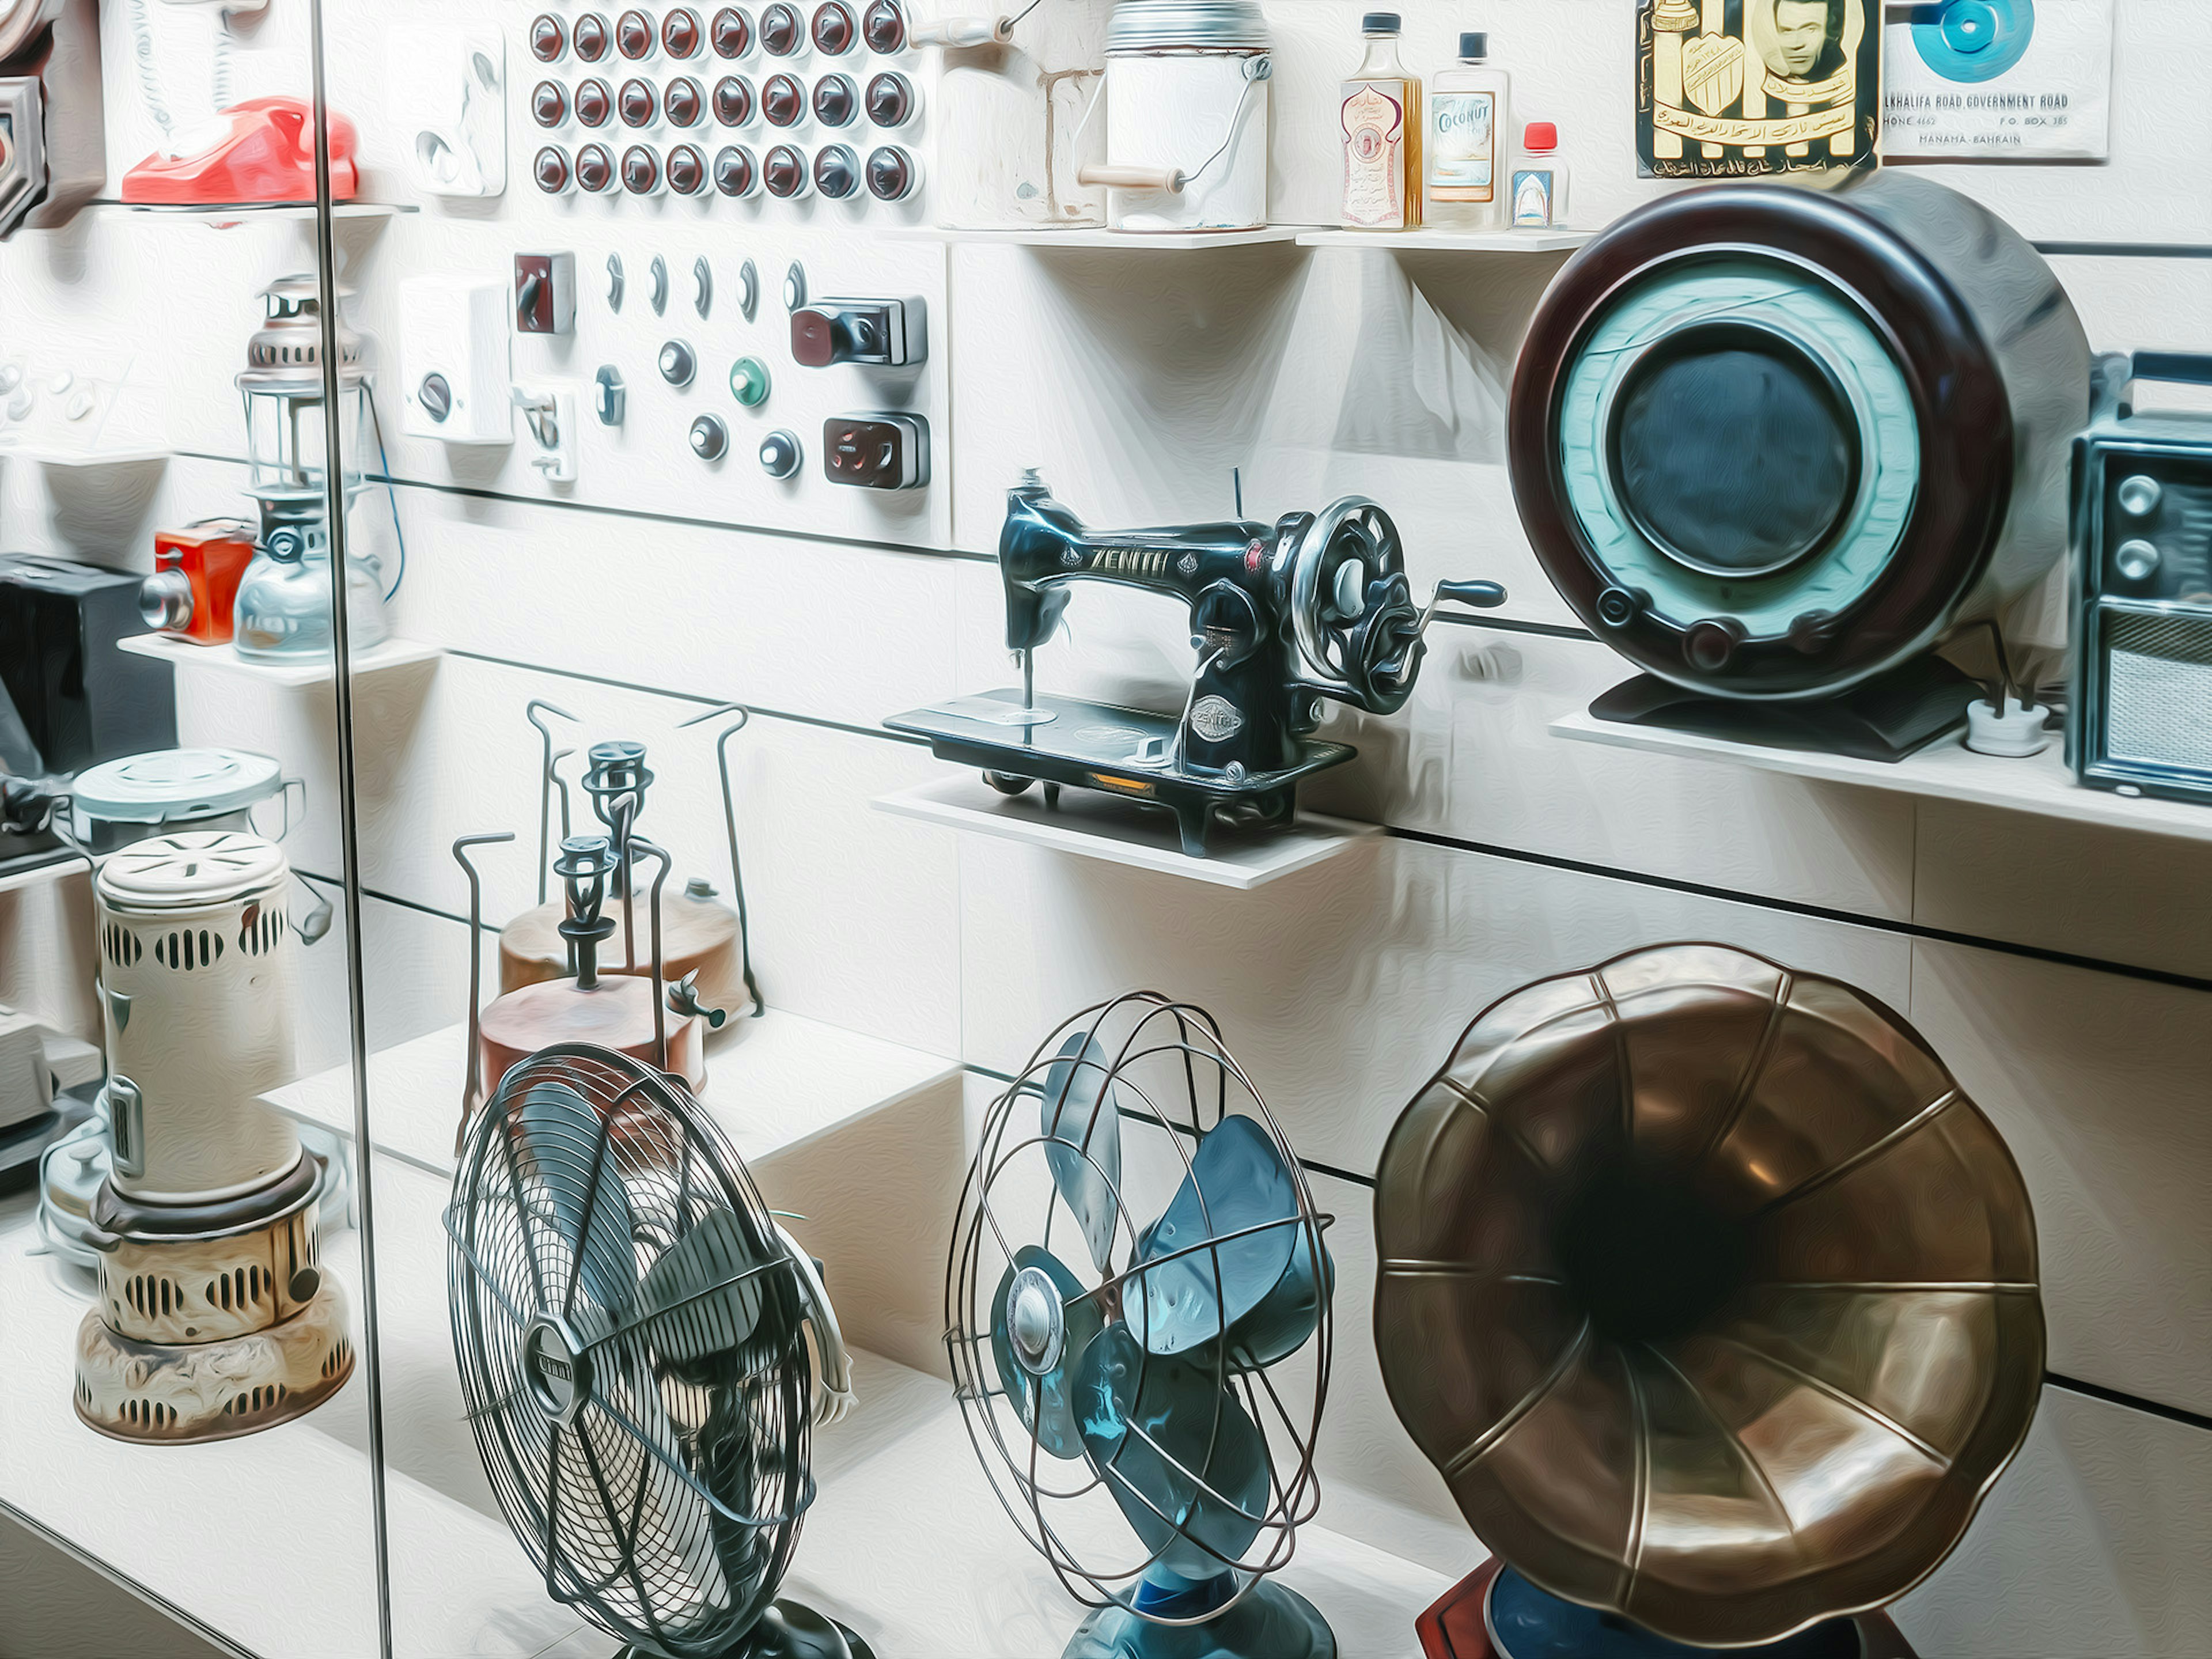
1466,147
1380,123
1540,180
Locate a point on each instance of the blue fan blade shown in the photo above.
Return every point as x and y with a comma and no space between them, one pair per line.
556,1131
1262,1290
1079,1114
704,1295
1180,1453
1046,1403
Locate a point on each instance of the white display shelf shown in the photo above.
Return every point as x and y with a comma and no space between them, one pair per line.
223,215
2041,784
45,875
264,1540
1437,240
82,460
1094,826
225,660
1120,242
772,1084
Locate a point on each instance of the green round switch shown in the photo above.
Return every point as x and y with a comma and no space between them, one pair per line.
749,381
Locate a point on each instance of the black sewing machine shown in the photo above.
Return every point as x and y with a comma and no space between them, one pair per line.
1316,606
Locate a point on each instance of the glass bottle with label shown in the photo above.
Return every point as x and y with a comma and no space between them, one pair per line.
1380,123
1540,181
1467,151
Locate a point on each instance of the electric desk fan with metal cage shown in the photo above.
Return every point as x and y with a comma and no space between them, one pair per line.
1132,1311
629,1322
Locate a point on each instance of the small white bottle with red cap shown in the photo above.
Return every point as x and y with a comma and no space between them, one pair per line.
1540,180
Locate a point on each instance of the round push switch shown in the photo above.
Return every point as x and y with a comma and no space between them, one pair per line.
780,453
749,381
709,438
678,363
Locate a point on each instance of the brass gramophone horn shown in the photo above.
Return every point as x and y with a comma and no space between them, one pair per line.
1711,1296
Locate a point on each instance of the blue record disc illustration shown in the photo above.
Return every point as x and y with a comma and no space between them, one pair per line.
1973,39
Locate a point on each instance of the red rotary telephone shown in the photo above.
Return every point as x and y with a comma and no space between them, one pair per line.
268,156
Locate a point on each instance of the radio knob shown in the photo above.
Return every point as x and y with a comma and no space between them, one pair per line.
885,27
2136,560
594,103
680,34
638,103
892,174
837,171
678,364
1617,607
781,32
548,104
435,394
782,100
588,34
891,100
2139,495
731,33
684,102
640,170
595,167
687,170
164,600
709,438
634,35
548,39
550,170
780,454
837,100
833,27
1710,645
734,173
784,171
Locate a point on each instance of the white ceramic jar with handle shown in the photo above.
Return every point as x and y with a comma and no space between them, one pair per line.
1186,116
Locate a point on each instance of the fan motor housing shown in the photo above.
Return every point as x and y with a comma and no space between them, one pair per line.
1769,440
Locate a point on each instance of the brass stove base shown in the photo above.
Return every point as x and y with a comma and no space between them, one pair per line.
177,1394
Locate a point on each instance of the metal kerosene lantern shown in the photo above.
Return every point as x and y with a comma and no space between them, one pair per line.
284,607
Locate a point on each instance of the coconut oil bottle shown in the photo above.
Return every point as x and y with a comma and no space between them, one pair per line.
1380,125
1467,157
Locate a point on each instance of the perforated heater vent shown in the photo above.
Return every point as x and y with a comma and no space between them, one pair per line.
188,948
2157,686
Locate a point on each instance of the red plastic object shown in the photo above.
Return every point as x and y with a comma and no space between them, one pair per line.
1542,138
270,156
208,559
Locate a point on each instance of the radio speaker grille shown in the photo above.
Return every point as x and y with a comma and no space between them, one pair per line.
2158,678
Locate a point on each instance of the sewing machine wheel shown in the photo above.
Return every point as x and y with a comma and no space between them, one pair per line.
1357,627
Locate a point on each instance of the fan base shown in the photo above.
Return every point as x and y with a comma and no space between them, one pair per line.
1467,1624
1269,1623
786,1630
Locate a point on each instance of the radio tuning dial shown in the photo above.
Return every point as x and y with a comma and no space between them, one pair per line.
781,31
548,39
638,103
891,100
731,33
837,171
2139,495
640,170
634,35
892,173
837,100
2136,560
784,171
595,167
594,103
834,29
733,100
782,100
884,27
687,170
677,363
684,102
588,34
548,104
680,32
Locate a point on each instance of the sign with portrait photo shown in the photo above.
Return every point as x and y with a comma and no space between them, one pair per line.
1725,88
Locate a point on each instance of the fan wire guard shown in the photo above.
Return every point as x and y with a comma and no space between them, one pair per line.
1191,1084
666,1508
